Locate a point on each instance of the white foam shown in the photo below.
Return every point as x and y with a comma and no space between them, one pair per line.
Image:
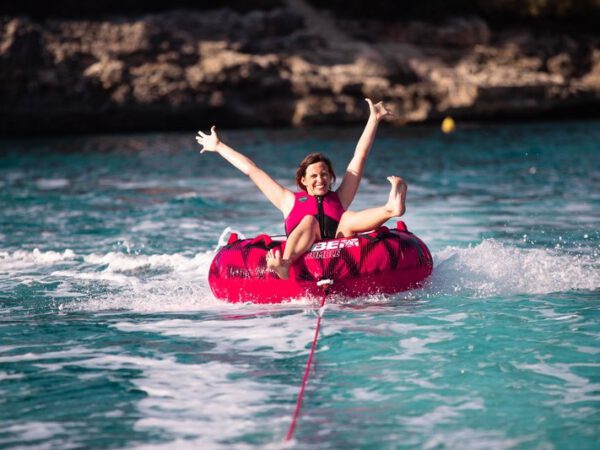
193,400
123,262
52,183
491,268
571,388
560,371
129,185
367,395
189,224
162,282
414,346
108,277
169,282
34,431
186,195
472,439
147,225
21,259
11,376
268,335
208,402
71,354
443,414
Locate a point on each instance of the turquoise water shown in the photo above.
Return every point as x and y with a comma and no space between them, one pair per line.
111,338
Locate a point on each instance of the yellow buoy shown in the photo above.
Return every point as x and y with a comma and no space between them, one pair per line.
448,125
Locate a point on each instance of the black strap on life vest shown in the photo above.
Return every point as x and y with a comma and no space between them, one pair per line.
327,225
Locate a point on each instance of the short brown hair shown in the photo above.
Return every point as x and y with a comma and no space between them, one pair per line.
312,159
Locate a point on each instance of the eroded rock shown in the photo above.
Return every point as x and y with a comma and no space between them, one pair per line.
278,68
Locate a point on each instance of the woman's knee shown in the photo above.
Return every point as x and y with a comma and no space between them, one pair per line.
308,224
344,228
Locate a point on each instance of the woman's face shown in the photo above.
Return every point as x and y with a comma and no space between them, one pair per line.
317,179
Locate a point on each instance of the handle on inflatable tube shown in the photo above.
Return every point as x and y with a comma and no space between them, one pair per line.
264,238
401,226
383,230
325,282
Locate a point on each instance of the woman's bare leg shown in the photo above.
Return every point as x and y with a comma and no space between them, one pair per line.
298,242
369,219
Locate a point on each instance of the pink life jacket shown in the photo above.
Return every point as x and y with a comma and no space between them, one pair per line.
327,209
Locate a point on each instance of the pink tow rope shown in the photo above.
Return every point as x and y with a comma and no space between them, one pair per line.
325,285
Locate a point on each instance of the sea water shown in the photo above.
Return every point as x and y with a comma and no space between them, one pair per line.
111,338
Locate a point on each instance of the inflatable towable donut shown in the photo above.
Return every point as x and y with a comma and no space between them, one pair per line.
385,261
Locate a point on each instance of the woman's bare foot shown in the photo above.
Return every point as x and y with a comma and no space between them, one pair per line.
395,204
279,265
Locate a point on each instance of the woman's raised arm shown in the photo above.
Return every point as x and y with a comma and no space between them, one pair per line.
353,175
282,198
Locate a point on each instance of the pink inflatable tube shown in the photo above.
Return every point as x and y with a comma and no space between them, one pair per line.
382,262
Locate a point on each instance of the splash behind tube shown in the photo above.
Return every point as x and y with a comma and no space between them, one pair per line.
381,262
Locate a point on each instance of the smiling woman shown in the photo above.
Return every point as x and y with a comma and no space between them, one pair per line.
315,176
317,212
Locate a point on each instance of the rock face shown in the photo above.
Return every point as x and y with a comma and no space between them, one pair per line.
288,66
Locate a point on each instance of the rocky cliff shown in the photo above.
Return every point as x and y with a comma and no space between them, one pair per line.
291,65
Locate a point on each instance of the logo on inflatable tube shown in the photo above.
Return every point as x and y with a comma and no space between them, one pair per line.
334,245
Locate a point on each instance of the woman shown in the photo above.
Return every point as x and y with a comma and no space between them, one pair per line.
317,212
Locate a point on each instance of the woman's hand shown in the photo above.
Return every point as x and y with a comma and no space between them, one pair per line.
209,142
378,110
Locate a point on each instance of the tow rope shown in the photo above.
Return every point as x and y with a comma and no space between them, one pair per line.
325,284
